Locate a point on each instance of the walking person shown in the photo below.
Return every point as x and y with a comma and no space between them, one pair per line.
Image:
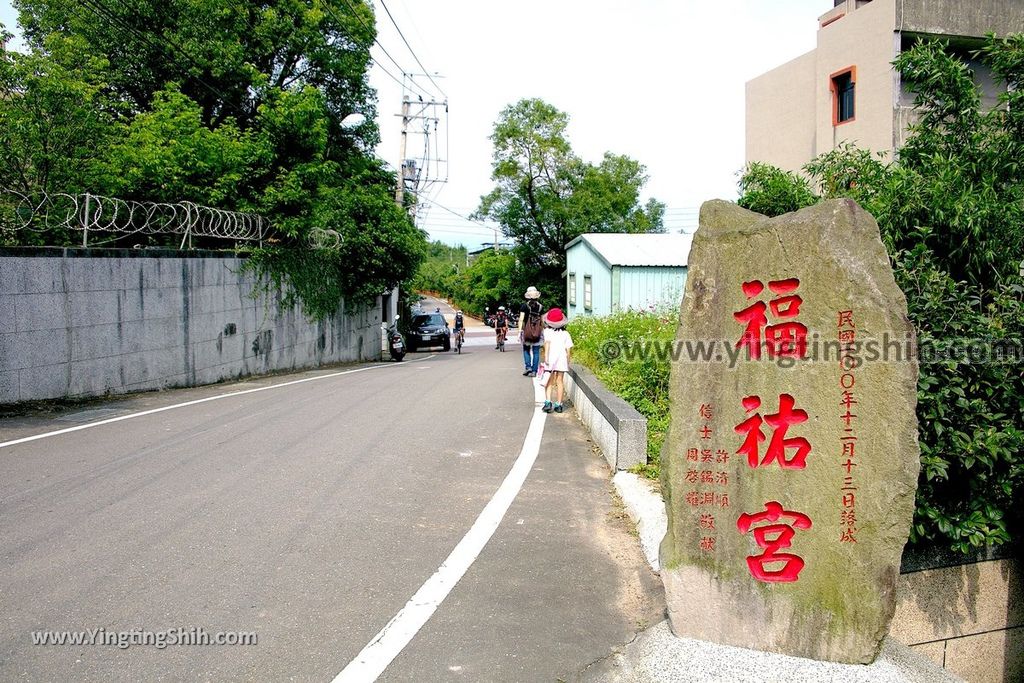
531,331
557,356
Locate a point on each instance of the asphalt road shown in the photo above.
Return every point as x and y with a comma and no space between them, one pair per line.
309,514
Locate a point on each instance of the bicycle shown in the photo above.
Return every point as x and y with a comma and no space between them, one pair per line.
460,337
501,333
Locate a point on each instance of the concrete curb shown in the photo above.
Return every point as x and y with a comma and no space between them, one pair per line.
647,510
617,427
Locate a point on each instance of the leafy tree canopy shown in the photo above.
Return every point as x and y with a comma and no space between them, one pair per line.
494,279
545,196
237,105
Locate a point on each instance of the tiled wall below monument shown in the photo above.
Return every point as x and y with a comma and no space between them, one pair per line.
968,618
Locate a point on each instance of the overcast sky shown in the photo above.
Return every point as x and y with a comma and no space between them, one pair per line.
659,80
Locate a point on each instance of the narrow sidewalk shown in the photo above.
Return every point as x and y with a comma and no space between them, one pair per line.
561,585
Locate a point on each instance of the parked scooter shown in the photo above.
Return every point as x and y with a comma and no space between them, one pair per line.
396,345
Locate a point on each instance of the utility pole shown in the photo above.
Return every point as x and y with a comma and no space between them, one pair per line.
400,185
410,174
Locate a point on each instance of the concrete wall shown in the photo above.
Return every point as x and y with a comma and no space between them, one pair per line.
960,18
864,39
88,322
784,129
789,110
968,619
780,115
617,427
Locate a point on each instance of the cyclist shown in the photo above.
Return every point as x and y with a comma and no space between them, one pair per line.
500,327
460,326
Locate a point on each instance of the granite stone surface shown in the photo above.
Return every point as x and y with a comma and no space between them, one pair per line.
790,466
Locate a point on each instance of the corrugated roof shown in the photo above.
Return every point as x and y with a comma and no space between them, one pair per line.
618,249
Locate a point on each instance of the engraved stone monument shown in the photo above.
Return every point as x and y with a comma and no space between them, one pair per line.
791,463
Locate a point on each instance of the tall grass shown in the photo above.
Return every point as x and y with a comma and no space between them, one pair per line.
641,381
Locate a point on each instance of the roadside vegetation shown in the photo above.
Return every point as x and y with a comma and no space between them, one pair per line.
492,279
545,196
609,347
263,108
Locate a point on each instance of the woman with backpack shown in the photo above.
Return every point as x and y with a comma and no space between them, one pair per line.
531,331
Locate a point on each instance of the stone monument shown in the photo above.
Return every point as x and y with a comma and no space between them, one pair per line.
790,467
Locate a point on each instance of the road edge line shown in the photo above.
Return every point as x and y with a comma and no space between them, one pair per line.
389,642
119,418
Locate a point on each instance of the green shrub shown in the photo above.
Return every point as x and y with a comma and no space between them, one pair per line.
639,378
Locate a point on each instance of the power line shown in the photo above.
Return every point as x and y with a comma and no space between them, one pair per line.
376,61
456,213
402,35
383,49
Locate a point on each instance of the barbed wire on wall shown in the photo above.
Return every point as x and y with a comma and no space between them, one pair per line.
324,238
97,217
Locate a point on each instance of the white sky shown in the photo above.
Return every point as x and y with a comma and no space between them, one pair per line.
659,80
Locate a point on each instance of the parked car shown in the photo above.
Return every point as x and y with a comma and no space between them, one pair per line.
429,329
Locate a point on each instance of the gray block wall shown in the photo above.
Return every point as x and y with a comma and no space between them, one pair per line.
88,322
616,426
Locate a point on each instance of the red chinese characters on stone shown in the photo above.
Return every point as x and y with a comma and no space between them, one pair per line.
773,538
782,340
781,421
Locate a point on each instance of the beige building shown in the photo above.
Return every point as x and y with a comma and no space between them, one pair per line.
846,89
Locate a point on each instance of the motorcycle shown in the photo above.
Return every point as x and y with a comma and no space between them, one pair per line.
396,345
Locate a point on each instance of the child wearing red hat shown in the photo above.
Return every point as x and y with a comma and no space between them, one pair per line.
557,356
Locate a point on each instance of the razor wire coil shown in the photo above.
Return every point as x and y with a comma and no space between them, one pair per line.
91,213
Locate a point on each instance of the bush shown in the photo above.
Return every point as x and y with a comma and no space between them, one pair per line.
772,191
639,378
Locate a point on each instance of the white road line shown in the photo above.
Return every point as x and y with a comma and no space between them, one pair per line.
396,634
98,423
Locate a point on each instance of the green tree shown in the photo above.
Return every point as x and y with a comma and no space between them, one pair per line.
440,269
545,196
229,57
52,122
493,279
242,106
951,212
167,154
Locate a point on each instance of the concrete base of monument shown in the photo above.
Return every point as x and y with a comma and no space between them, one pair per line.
656,655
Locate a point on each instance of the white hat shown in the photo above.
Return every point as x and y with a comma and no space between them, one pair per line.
532,293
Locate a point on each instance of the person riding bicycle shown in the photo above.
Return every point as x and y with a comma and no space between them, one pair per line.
500,326
460,325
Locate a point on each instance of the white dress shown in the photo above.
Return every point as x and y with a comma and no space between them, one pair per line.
556,349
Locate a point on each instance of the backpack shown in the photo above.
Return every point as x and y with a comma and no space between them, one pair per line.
532,326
